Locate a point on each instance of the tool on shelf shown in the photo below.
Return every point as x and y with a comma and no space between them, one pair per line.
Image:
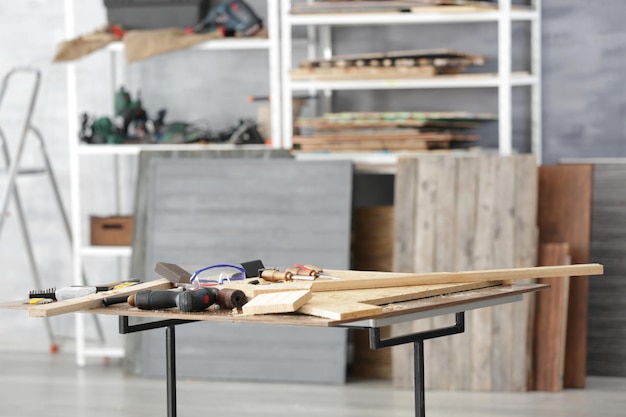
230,18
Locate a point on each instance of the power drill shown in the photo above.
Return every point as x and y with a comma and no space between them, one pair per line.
230,17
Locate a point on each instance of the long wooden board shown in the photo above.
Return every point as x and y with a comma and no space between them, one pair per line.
550,322
92,300
385,281
351,280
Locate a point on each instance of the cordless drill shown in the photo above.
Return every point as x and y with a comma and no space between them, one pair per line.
230,17
191,300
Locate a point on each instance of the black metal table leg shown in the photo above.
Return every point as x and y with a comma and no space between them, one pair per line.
170,352
418,353
418,386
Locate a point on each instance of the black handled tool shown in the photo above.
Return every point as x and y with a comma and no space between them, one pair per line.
192,300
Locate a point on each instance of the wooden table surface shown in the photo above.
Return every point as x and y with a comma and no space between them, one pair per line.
389,310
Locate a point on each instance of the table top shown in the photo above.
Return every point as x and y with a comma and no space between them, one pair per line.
392,313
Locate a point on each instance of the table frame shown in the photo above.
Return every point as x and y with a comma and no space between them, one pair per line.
373,325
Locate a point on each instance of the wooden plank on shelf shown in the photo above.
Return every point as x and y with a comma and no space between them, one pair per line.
370,145
383,136
565,193
366,73
551,322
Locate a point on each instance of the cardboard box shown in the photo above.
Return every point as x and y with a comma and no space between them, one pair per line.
112,231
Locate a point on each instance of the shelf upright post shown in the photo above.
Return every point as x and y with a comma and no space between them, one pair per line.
536,110
275,103
286,58
327,53
74,169
505,132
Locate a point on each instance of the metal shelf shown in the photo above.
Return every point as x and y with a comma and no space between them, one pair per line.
349,19
443,81
503,16
226,44
124,149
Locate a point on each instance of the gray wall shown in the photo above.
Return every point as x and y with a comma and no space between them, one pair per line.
584,63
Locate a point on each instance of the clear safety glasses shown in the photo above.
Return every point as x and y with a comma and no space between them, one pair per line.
217,275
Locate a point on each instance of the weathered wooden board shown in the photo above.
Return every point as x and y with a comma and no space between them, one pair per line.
565,193
551,322
492,226
279,302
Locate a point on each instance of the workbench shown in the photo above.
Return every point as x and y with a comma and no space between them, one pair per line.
399,312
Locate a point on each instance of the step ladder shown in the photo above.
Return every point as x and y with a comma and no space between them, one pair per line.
13,171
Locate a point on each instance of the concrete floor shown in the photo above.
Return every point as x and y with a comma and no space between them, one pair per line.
39,384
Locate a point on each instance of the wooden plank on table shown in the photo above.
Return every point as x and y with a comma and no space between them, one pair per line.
279,302
551,322
565,216
92,300
352,280
525,243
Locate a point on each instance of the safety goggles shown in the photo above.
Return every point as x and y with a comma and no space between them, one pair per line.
217,275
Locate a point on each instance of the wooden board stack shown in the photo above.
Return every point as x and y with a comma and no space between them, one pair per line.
420,63
395,131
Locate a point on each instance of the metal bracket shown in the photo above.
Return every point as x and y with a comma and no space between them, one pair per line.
418,352
170,351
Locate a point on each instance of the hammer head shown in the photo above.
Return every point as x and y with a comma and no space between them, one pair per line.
172,272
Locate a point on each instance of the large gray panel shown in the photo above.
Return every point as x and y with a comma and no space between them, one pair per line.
606,354
199,212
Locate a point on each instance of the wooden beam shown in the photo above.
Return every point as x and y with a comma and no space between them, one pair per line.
350,280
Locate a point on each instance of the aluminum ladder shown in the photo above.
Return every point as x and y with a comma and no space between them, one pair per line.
12,164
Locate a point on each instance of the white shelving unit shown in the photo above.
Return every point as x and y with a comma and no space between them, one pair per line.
503,80
81,249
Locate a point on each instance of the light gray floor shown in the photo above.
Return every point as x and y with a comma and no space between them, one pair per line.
39,384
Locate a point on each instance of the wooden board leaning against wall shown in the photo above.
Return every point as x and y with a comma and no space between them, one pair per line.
464,213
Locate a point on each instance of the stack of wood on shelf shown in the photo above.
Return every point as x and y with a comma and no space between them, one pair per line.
388,131
419,63
390,6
